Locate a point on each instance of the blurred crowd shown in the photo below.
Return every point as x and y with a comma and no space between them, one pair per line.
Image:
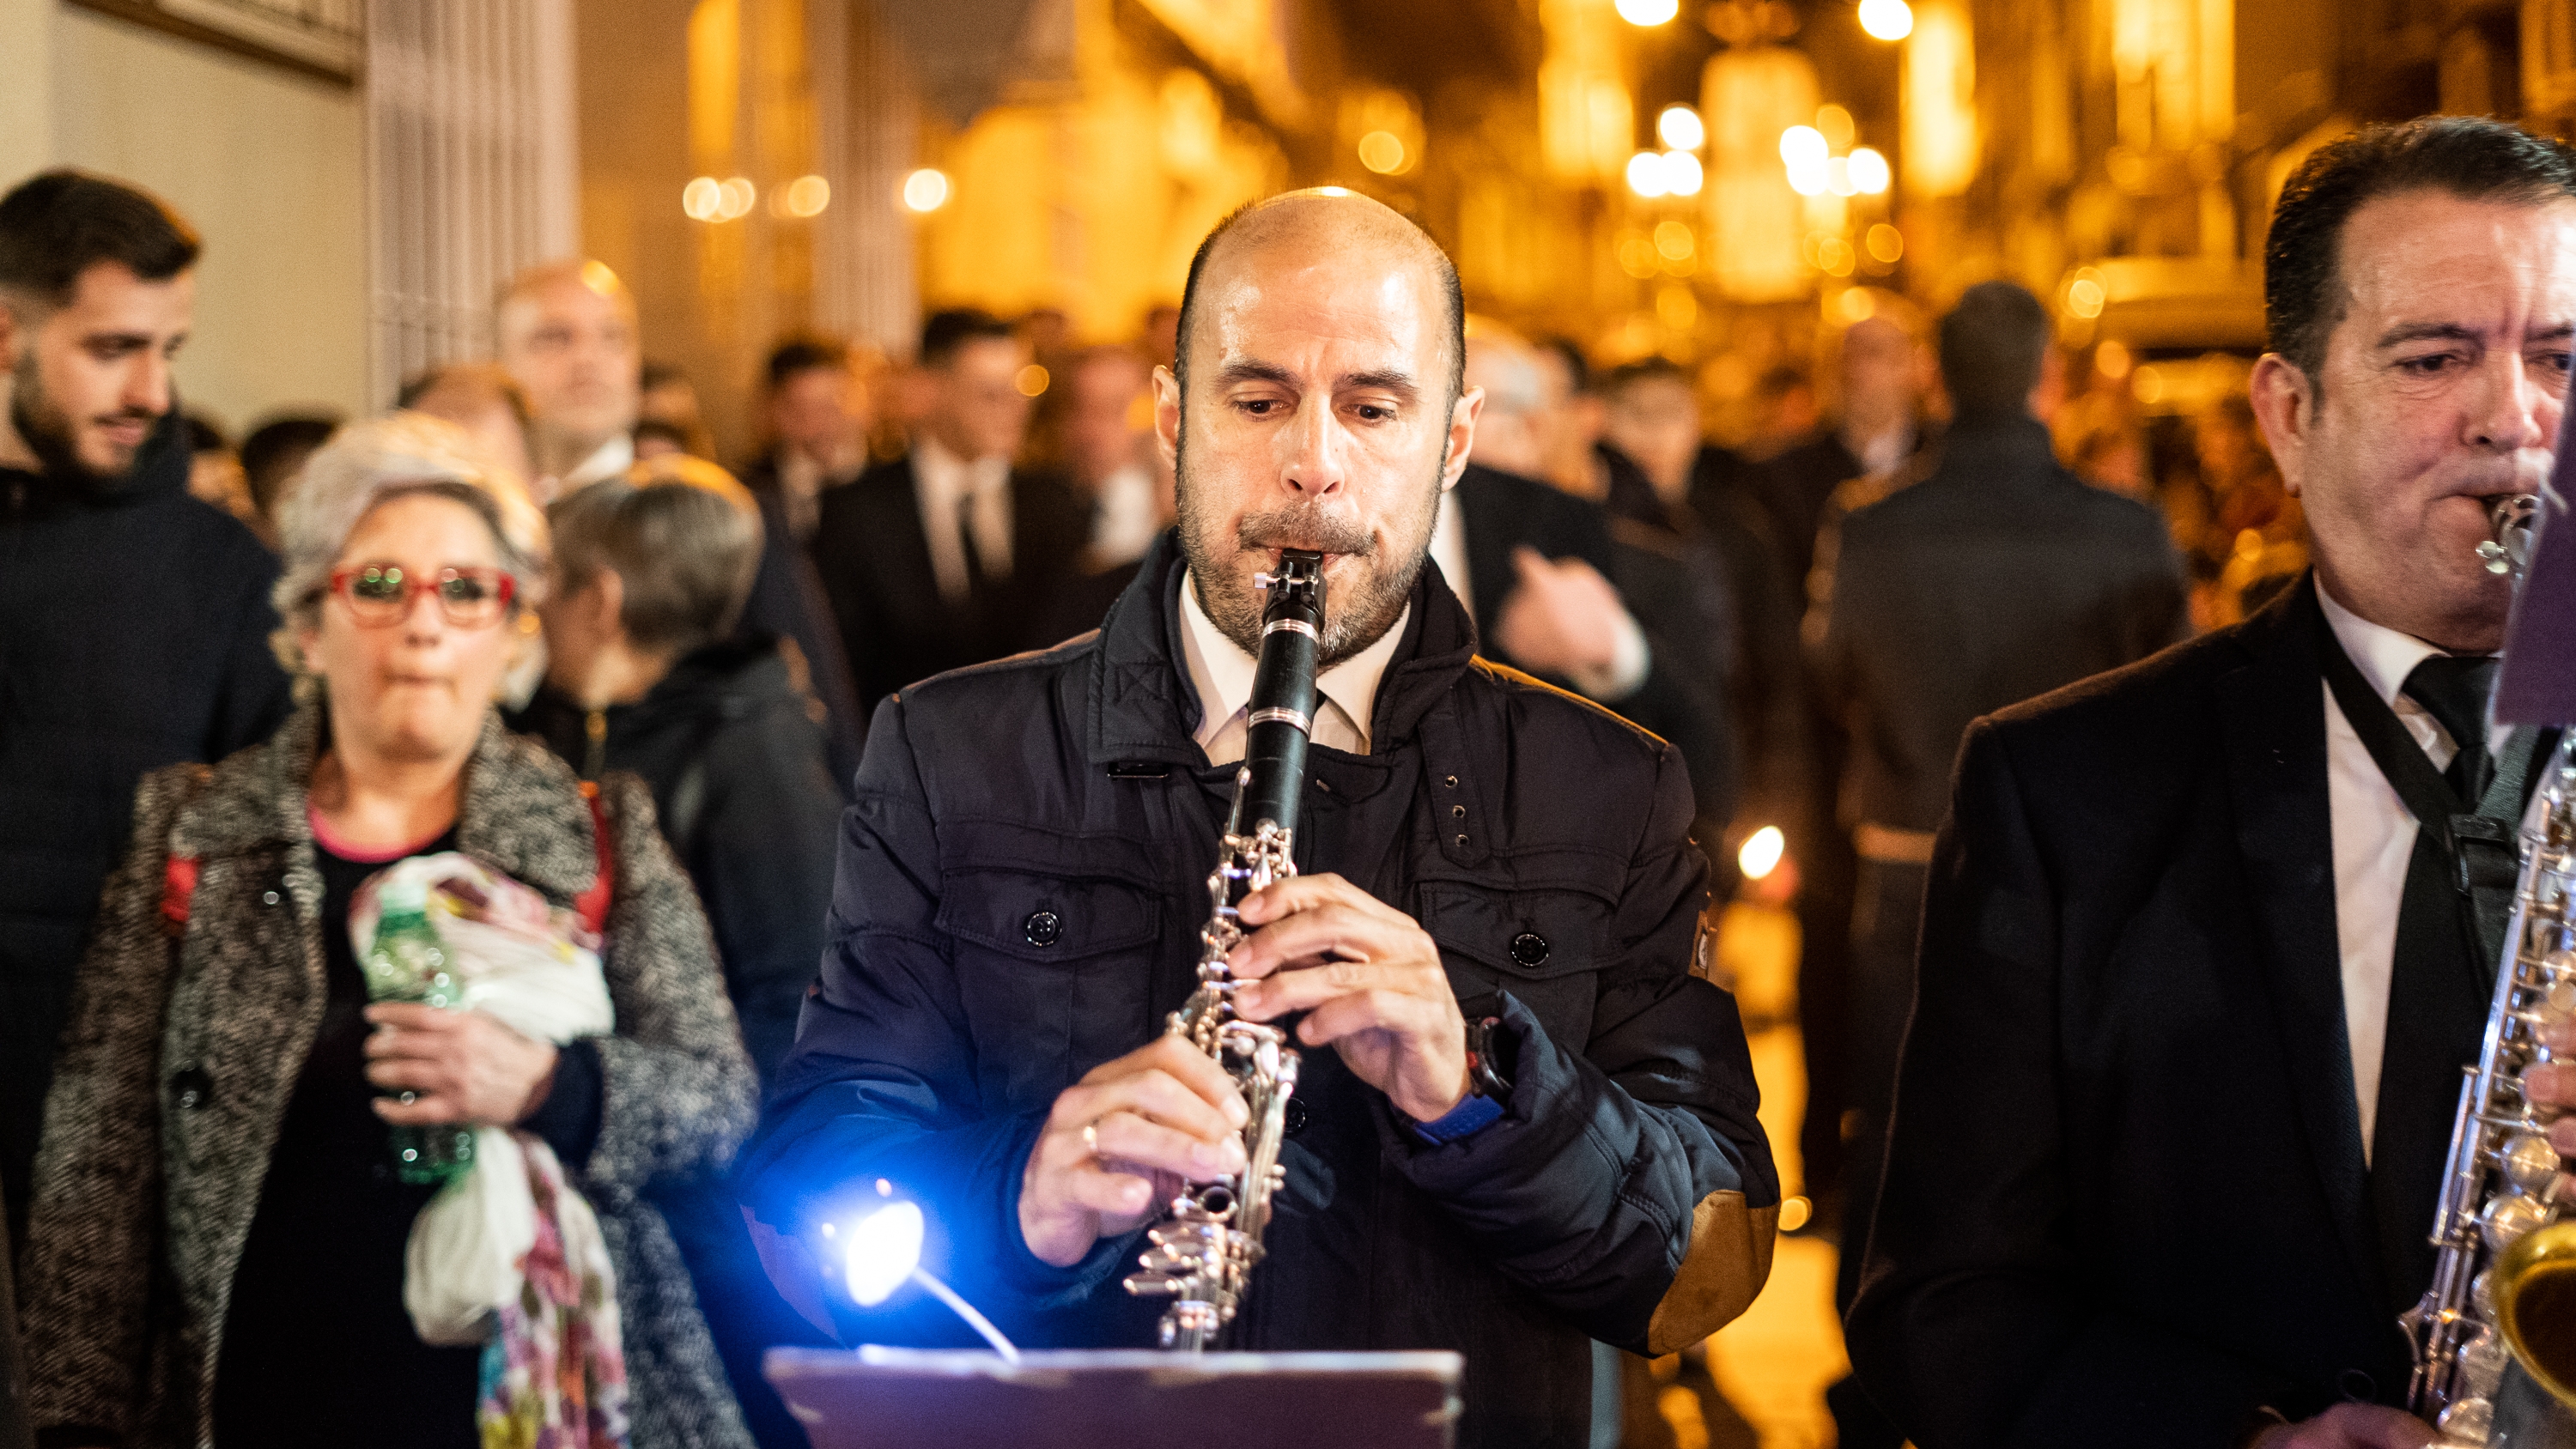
708,636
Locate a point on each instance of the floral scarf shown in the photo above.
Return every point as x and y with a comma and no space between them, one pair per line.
554,1376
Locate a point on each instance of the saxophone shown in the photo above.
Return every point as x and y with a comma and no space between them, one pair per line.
1210,1234
2494,1337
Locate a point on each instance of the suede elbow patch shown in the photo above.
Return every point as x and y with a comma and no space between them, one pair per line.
1728,1261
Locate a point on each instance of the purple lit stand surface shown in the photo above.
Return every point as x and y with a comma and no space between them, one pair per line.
2537,685
901,1398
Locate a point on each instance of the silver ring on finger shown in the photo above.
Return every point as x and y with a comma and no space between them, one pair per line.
1091,1139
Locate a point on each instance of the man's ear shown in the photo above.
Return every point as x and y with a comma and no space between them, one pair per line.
2285,401
1167,415
1462,436
13,334
605,600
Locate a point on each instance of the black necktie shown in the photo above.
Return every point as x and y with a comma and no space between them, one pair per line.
967,546
2453,688
2437,989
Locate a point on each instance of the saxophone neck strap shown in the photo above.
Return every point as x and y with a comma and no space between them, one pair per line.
2476,838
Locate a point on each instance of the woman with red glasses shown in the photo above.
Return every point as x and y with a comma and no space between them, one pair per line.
218,1247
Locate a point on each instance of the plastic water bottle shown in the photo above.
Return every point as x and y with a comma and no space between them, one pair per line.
408,963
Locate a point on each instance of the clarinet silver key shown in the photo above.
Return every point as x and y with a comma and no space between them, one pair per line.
1209,1238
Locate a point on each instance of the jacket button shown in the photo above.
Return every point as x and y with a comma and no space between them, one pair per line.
1043,928
1530,949
1295,1121
268,898
191,1088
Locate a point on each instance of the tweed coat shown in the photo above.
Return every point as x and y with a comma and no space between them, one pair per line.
145,1190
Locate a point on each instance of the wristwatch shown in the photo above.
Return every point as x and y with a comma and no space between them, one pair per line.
1486,1091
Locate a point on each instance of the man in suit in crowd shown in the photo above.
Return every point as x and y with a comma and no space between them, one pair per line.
2195,989
1879,372
1634,623
568,337
945,557
1999,577
816,411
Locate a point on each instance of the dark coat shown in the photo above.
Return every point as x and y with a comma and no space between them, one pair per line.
1674,588
788,602
134,624
1998,578
1774,744
739,785
1626,1195
144,1195
2125,1200
874,561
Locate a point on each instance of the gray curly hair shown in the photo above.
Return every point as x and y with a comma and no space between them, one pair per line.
373,462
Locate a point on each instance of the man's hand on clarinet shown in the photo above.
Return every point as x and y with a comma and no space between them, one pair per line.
1120,1142
1369,980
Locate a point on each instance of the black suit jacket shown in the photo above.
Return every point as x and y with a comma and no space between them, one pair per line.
2125,1199
1674,588
788,602
1996,579
874,559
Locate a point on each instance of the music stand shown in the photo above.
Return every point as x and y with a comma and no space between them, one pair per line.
901,1398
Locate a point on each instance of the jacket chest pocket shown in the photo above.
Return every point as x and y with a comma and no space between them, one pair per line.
1546,947
1055,973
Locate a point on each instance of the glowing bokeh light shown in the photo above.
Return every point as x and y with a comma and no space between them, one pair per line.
1646,174
1031,381
1682,175
1869,172
1648,12
806,196
1887,19
702,199
925,189
1680,128
1803,146
1761,852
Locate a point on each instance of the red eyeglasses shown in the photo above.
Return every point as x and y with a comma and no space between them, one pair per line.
380,594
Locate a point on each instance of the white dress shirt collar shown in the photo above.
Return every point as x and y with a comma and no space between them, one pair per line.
2385,657
1221,675
605,461
942,484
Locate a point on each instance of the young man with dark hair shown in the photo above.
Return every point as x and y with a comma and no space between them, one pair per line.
950,554
134,619
1023,885
2195,990
274,453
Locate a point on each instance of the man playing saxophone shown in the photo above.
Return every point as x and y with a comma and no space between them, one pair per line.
1520,1123
2201,965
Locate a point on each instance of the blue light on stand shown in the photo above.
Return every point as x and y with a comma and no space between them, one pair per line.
885,1253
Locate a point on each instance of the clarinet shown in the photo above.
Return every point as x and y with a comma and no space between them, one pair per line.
1209,1237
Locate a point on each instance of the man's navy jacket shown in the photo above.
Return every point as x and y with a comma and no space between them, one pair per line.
1022,883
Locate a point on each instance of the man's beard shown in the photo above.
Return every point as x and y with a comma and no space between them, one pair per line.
47,429
1353,619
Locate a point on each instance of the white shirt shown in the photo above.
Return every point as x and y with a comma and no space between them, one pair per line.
1449,549
1128,520
941,483
2374,836
1630,656
608,460
1221,674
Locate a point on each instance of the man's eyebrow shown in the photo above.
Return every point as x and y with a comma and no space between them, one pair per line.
1247,370
1393,380
2406,332
2555,332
